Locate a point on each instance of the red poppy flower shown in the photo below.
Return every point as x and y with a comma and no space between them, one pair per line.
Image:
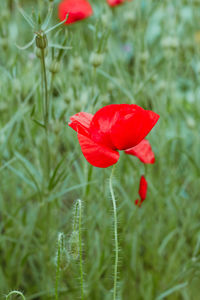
77,10
143,151
142,191
116,2
113,127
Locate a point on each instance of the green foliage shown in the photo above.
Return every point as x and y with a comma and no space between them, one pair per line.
145,52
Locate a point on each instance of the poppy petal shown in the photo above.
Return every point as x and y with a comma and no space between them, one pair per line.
132,126
115,2
122,126
102,123
81,122
77,10
143,188
96,154
143,151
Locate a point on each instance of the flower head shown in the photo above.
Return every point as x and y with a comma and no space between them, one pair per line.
113,127
142,191
77,10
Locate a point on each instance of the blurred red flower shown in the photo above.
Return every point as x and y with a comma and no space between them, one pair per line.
77,10
143,151
113,127
142,191
116,2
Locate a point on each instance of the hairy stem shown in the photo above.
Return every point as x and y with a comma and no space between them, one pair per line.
15,293
80,249
58,265
116,235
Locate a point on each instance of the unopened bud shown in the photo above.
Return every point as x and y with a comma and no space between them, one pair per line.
105,20
130,16
41,40
4,43
190,122
96,59
144,56
78,64
54,67
69,96
38,52
170,42
5,15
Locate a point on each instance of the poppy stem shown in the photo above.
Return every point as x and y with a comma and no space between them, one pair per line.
80,248
58,256
115,233
46,113
15,293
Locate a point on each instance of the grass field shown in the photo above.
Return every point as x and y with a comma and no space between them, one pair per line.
148,53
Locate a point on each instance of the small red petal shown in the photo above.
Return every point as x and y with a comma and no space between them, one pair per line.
77,10
137,201
97,155
143,151
143,188
81,122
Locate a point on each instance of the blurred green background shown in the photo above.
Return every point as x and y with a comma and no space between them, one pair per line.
149,54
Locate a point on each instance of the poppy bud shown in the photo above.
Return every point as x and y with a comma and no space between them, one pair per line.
190,122
154,78
5,15
144,56
41,40
78,105
130,17
74,245
96,59
77,64
105,20
69,96
54,66
170,42
110,87
38,52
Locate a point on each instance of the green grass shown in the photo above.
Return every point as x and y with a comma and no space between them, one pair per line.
151,57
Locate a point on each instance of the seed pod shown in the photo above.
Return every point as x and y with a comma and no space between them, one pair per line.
41,40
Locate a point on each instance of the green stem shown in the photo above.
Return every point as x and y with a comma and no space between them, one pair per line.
89,177
58,266
46,114
115,233
80,249
15,293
